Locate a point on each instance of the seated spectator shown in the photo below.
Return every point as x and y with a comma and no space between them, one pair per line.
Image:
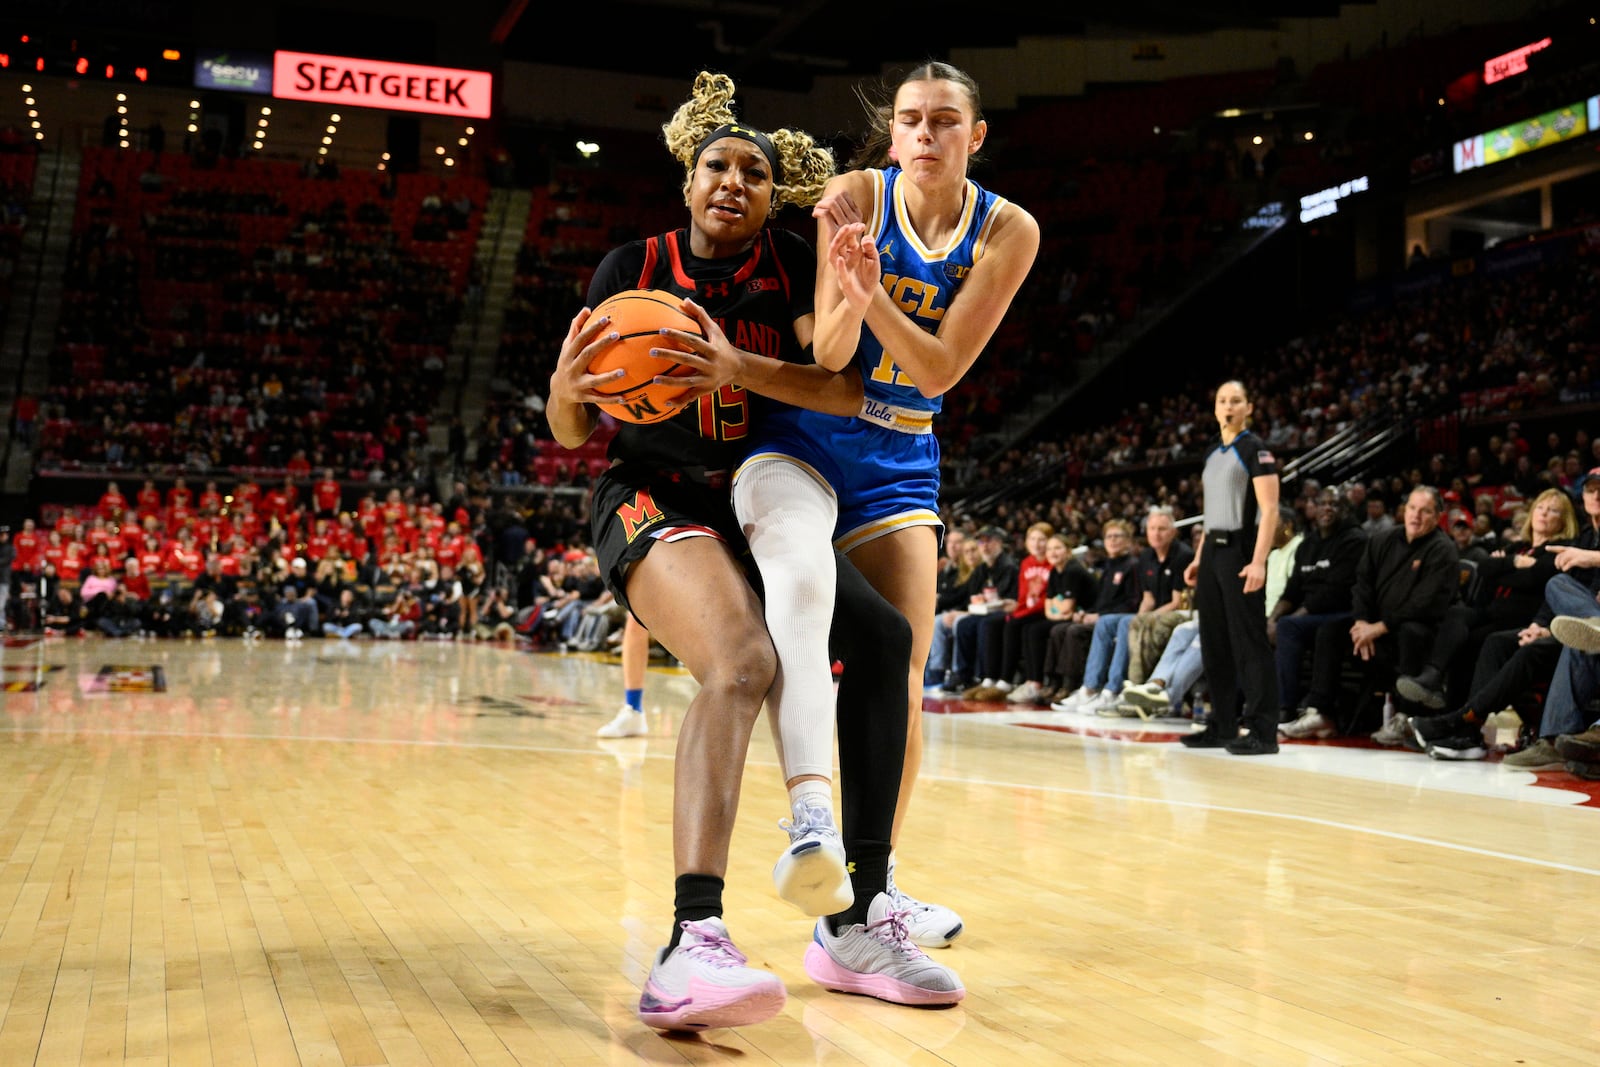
399,620
123,615
1317,594
1117,593
960,558
219,591
599,619
1469,546
1068,584
1285,547
997,633
1580,685
63,612
1173,678
1404,582
441,605
297,602
206,612
1149,631
347,617
995,569
1509,666
97,590
1511,587
586,586
8,557
496,615
1155,584
1378,519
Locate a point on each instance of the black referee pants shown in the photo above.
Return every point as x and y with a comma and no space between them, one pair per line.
1239,665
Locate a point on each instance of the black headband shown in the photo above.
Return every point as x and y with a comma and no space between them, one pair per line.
744,133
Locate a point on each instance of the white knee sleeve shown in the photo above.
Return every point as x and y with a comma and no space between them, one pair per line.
788,518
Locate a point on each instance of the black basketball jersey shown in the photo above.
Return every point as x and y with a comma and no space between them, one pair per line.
754,297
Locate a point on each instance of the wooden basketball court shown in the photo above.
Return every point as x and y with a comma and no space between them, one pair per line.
418,853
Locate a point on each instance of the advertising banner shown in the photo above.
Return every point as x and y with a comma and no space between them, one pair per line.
235,71
374,83
1540,131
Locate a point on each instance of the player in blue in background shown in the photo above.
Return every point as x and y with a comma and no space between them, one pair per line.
911,286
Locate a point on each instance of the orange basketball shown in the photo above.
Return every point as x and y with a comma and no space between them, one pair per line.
639,316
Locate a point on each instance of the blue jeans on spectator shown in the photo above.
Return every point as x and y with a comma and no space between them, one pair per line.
347,631
1295,636
1181,665
939,653
1577,676
302,615
382,627
1108,653
967,654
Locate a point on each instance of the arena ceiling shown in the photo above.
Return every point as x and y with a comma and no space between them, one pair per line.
784,45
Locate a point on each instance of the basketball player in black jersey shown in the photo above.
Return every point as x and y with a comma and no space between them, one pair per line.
672,552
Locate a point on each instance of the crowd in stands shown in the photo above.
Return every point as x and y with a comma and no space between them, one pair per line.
17,161
244,316
1460,627
290,560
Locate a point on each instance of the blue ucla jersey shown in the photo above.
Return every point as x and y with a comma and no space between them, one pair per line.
922,281
883,464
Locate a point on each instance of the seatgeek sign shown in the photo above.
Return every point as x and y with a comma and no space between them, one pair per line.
390,86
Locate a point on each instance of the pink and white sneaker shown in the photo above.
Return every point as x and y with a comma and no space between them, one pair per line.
878,959
705,983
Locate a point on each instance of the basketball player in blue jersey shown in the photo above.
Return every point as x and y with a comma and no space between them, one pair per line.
672,553
920,266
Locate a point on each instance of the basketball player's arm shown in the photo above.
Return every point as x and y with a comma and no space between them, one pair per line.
935,362
717,362
570,408
847,273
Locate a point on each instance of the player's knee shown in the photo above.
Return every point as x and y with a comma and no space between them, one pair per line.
745,673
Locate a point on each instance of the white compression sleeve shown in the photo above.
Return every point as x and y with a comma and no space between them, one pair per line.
788,518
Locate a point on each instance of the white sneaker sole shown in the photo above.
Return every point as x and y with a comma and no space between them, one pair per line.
633,726
812,876
1577,633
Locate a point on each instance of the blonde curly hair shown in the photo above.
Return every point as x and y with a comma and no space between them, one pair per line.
804,166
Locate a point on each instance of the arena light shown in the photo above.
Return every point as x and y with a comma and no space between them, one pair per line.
82,65
171,55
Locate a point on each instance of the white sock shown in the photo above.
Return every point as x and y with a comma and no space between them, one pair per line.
788,518
811,793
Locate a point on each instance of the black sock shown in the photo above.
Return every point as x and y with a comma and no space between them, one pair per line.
869,876
695,897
